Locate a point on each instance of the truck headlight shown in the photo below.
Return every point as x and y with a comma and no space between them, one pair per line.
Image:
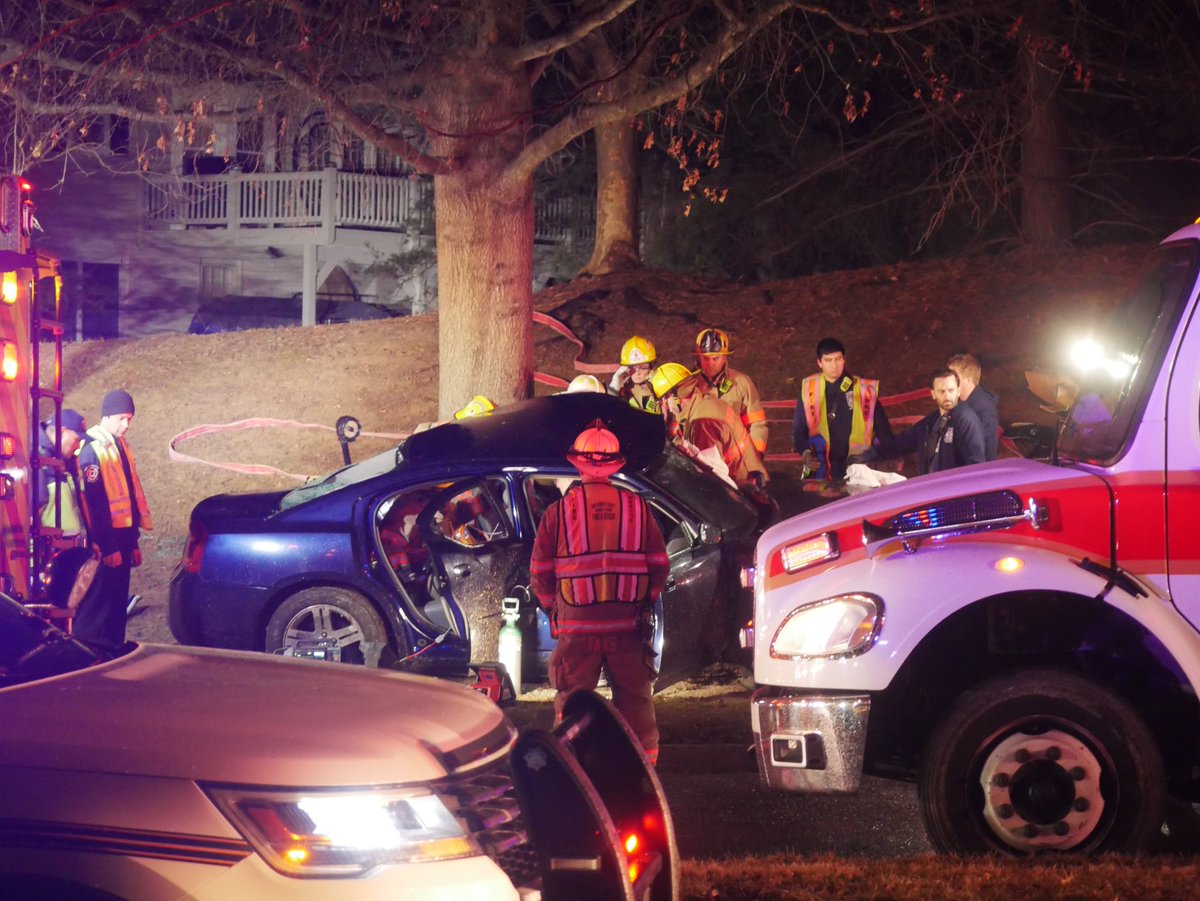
343,833
835,627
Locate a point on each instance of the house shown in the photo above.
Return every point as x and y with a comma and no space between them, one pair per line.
151,224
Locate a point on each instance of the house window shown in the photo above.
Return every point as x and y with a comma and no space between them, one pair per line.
220,279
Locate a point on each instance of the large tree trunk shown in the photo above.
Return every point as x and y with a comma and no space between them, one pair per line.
484,228
617,214
1045,169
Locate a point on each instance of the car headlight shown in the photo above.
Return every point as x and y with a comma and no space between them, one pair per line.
835,627
343,833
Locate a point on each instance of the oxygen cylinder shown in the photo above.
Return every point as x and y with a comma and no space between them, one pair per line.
509,645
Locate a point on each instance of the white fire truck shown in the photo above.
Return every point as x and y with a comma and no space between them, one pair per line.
30,389
1018,637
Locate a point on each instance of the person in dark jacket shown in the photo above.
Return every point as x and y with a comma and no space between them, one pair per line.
948,437
116,514
978,398
68,513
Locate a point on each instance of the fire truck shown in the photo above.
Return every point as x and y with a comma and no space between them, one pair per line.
1021,638
30,390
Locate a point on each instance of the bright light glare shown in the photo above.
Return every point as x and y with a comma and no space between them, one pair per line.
8,292
838,626
349,822
1010,564
1086,354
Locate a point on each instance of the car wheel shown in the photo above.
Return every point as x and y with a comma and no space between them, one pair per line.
1039,761
328,624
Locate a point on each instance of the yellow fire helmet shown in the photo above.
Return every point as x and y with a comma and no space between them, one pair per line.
637,350
667,377
478,406
713,342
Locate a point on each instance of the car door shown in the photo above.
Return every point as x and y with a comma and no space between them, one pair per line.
478,557
687,617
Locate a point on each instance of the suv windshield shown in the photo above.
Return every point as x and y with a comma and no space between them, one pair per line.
1114,391
347,475
703,493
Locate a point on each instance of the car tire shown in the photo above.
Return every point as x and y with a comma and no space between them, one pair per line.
328,623
1042,761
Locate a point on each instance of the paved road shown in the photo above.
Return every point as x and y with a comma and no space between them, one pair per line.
727,813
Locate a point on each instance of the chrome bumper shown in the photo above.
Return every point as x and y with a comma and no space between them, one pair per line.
809,743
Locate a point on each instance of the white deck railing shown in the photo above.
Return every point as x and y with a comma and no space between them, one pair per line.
291,200
326,200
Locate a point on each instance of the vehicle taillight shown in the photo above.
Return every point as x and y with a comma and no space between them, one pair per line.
193,551
8,446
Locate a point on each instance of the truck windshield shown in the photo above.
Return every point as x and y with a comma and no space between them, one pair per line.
1113,392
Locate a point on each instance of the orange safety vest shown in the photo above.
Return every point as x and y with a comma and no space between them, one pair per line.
862,421
116,488
605,557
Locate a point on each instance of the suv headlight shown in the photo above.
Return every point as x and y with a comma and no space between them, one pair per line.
343,833
835,627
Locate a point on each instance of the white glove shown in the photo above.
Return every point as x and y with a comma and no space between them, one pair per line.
620,377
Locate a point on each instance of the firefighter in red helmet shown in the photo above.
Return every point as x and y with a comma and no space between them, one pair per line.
598,565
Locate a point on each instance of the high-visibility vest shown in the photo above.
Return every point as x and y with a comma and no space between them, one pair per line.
116,487
603,557
862,417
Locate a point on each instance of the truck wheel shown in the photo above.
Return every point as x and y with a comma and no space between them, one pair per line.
327,624
1041,760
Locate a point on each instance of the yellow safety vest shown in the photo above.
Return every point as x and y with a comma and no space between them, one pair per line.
862,416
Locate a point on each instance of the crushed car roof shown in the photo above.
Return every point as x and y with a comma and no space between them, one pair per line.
540,430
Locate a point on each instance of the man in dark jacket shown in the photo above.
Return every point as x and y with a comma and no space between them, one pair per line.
978,398
948,437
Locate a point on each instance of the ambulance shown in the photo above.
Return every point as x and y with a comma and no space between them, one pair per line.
1020,638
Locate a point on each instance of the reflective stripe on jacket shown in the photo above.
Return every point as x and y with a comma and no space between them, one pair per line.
862,417
597,558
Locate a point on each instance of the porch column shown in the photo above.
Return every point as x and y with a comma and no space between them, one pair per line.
308,303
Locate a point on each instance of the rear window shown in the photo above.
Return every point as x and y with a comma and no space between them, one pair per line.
702,492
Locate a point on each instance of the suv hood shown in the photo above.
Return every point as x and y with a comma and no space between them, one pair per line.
226,716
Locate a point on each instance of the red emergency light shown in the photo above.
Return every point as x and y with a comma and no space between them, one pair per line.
8,288
8,446
8,361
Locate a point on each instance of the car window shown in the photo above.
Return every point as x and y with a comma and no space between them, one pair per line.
474,515
347,475
543,490
709,497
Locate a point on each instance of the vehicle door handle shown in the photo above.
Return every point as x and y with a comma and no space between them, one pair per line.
670,584
460,569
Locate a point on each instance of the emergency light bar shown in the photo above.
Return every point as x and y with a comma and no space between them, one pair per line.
8,446
8,288
953,516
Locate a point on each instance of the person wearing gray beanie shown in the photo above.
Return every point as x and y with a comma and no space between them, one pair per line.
117,512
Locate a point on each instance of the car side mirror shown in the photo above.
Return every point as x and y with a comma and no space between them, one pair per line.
709,534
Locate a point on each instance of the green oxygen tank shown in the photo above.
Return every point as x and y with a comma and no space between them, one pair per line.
509,646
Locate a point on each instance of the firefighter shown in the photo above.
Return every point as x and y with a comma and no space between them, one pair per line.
721,381
585,384
65,484
702,420
598,566
838,415
116,513
631,381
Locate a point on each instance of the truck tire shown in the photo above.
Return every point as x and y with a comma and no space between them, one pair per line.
1041,761
328,623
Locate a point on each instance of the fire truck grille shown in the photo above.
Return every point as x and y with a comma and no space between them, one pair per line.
485,801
